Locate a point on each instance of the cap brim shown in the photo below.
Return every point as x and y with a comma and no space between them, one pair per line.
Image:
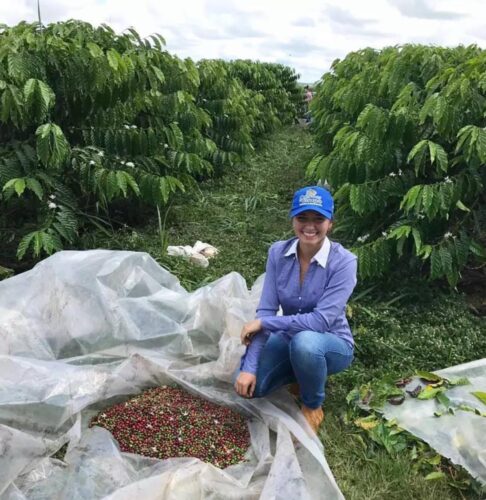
311,208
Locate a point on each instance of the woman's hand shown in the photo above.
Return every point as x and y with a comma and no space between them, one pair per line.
249,329
245,384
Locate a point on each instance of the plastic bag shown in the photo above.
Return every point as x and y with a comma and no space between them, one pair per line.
84,330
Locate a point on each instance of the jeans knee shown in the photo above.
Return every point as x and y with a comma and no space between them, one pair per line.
303,343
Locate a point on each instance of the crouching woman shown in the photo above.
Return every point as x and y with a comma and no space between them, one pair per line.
311,278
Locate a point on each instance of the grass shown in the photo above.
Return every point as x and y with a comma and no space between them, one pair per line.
428,328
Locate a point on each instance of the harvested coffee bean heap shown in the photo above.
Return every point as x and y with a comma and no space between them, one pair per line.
169,422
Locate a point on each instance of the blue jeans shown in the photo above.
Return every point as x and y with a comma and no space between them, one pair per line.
307,358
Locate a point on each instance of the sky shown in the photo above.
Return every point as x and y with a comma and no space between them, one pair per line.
306,35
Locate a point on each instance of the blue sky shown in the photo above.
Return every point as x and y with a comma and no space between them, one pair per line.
305,35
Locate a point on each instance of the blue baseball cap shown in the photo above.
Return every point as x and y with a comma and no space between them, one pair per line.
314,198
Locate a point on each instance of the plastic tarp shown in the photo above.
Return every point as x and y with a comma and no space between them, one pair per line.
84,330
461,436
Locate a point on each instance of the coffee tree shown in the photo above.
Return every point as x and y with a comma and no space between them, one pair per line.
89,117
403,146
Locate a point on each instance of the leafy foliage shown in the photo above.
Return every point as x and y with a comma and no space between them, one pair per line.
403,144
89,117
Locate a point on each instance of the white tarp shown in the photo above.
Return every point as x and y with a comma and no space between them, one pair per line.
461,436
84,330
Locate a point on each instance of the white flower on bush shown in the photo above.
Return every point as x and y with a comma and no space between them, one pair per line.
447,180
130,164
134,126
166,145
392,174
384,234
92,162
420,216
101,153
122,162
51,205
52,196
400,171
362,239
126,126
447,235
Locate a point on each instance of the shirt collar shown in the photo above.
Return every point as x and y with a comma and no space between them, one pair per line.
321,256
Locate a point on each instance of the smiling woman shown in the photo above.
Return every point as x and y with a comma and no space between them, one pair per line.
311,279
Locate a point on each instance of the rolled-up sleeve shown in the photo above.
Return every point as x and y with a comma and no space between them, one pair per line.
331,304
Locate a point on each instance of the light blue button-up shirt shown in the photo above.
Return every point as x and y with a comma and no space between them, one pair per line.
319,304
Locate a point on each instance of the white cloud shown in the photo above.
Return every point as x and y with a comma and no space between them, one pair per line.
423,9
307,36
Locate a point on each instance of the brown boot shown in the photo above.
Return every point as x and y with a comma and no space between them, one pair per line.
314,417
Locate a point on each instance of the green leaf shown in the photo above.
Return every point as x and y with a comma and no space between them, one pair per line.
459,381
94,49
480,395
122,181
461,206
52,147
443,399
477,249
417,239
434,475
113,59
39,98
34,185
429,376
313,166
425,251
24,245
429,392
481,145
409,200
438,155
158,73
18,184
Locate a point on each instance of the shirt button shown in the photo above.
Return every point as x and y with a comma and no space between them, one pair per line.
300,310
300,298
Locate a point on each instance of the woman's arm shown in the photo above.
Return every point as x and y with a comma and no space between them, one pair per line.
268,306
330,305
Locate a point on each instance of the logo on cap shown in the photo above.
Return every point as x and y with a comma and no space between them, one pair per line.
310,198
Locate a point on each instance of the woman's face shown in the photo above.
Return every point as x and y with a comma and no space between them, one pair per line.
311,227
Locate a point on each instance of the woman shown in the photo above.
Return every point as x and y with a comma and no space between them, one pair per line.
311,279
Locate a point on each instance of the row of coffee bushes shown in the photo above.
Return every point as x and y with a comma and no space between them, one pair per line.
89,117
403,147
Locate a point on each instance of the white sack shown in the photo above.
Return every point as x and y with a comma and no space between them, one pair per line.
199,254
